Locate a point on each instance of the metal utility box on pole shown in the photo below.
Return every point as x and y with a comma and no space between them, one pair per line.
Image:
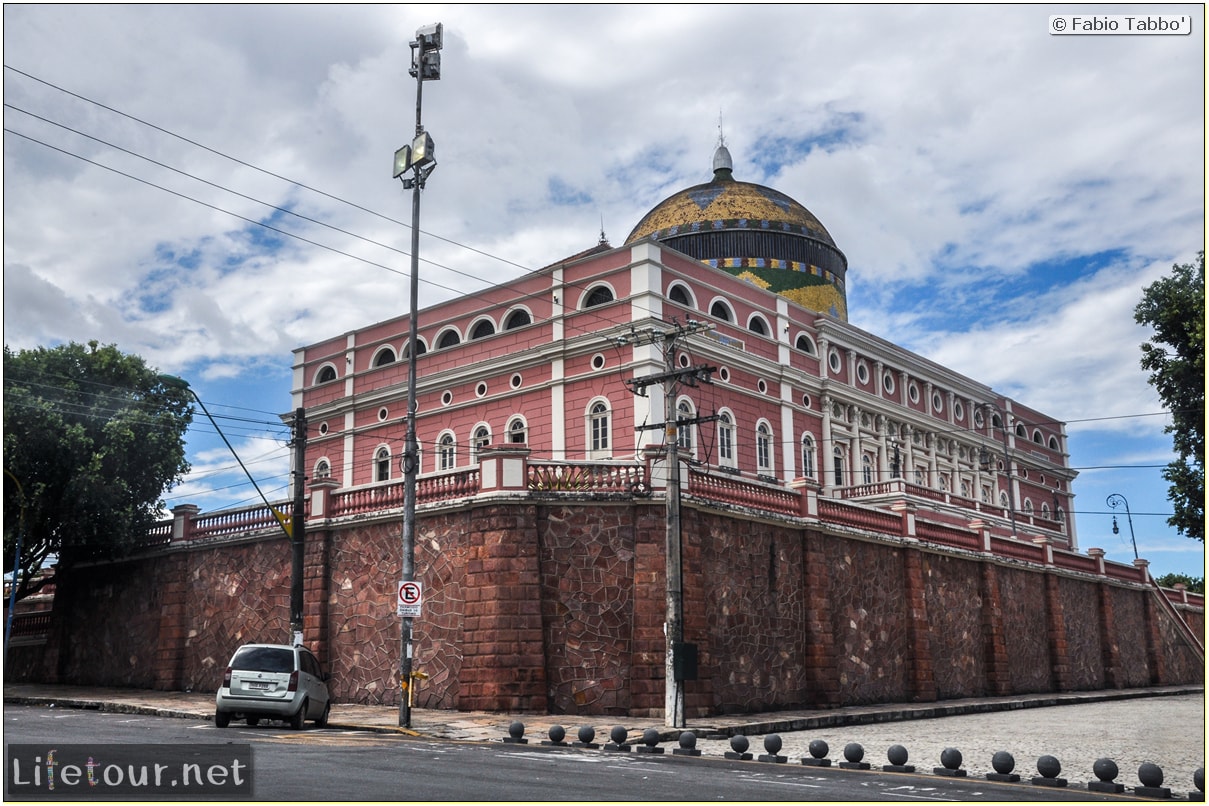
418,160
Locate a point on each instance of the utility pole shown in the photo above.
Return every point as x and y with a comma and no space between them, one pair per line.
680,659
298,526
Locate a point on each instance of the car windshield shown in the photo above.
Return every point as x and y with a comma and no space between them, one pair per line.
263,659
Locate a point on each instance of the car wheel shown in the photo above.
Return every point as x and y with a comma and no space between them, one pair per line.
297,719
253,721
221,719
327,711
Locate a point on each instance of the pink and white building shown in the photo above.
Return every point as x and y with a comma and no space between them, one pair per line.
801,397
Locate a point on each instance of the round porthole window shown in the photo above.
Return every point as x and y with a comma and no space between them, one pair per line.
806,401
833,361
480,390
598,361
516,381
322,428
383,414
724,374
862,372
447,398
888,383
763,387
913,393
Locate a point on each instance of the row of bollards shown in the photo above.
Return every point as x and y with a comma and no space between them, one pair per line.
1048,767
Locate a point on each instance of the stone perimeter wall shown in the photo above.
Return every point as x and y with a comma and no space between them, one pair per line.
559,608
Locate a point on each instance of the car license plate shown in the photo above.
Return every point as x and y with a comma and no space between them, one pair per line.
256,684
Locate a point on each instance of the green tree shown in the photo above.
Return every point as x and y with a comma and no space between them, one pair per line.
92,439
1194,584
1175,307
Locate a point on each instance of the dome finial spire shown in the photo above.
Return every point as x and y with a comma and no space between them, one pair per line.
723,167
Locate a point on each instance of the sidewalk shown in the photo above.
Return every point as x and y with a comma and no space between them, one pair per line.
484,726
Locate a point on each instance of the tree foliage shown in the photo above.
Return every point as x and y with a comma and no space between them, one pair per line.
92,439
1175,307
1194,584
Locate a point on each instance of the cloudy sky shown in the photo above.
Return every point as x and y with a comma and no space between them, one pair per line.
209,187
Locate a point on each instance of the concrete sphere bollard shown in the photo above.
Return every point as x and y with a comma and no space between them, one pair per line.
618,734
1105,769
853,752
586,734
951,758
819,749
516,730
897,755
557,733
650,737
1198,779
688,745
1049,767
772,743
1150,774
739,743
1003,762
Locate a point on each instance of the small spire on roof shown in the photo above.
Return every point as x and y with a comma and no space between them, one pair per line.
603,240
723,166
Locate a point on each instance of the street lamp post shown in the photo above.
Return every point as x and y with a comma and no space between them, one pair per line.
1007,461
416,159
1115,500
295,529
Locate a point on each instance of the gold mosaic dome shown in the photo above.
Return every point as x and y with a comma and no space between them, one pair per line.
755,233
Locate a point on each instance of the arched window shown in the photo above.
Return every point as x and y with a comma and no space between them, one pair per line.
600,295
764,448
598,429
518,432
382,464
1053,443
447,452
449,338
867,469
421,348
806,345
720,310
384,356
323,469
757,325
479,440
1003,498
726,439
326,374
518,318
837,465
1037,437
678,294
684,431
482,329
1021,431
808,456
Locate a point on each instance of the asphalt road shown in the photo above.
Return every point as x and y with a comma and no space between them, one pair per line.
330,764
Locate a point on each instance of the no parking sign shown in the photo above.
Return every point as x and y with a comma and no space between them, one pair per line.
411,597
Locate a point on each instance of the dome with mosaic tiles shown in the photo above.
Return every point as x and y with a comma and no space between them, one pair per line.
755,233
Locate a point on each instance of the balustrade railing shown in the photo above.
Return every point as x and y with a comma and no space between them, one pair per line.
628,478
587,477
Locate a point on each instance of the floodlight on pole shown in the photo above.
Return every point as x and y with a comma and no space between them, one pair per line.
417,160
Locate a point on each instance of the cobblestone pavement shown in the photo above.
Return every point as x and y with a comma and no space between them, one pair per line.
1164,726
1167,731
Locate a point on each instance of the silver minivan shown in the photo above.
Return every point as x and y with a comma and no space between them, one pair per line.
273,681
